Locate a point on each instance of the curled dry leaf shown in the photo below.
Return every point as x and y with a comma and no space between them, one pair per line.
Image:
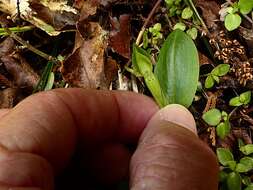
48,15
120,35
85,67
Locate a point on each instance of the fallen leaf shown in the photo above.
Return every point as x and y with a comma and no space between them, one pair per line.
120,35
48,15
85,67
204,60
23,75
7,98
210,12
247,34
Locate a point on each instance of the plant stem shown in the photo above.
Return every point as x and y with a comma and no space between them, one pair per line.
29,46
16,29
198,16
138,40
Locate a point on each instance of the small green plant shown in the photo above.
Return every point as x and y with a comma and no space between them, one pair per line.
176,72
232,175
243,99
233,19
218,119
155,35
217,72
184,12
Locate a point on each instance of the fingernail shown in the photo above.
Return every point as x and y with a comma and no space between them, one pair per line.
176,114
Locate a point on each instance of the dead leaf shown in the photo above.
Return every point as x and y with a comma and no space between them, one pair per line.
204,60
7,98
48,15
210,12
247,34
23,75
6,47
85,67
120,35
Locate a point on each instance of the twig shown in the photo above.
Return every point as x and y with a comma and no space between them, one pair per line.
138,40
29,46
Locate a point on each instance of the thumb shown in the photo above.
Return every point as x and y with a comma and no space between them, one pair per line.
170,155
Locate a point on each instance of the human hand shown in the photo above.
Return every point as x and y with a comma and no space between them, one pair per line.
40,135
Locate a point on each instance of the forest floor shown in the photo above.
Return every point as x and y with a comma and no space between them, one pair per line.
51,44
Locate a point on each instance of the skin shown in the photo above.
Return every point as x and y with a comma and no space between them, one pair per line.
40,135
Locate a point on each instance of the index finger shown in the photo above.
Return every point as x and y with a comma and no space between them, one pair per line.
48,124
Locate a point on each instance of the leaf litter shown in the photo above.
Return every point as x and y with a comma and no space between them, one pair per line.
89,44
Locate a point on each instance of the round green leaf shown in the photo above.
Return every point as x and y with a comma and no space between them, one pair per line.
232,21
187,13
221,70
223,129
245,6
212,117
235,102
245,164
224,156
177,68
209,82
222,176
245,97
246,180
234,181
180,26
247,149
193,33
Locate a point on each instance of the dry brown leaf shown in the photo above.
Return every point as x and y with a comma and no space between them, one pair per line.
7,98
23,75
204,60
210,12
120,35
49,15
85,67
247,34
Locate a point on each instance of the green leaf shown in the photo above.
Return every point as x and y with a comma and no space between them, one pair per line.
216,78
177,68
245,6
245,97
187,13
240,143
247,149
232,21
235,102
231,165
246,180
234,181
250,187
209,82
180,26
245,165
223,129
142,64
44,78
193,33
224,156
221,70
222,176
212,117
50,81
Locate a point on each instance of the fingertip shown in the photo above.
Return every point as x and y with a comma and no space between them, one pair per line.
177,114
